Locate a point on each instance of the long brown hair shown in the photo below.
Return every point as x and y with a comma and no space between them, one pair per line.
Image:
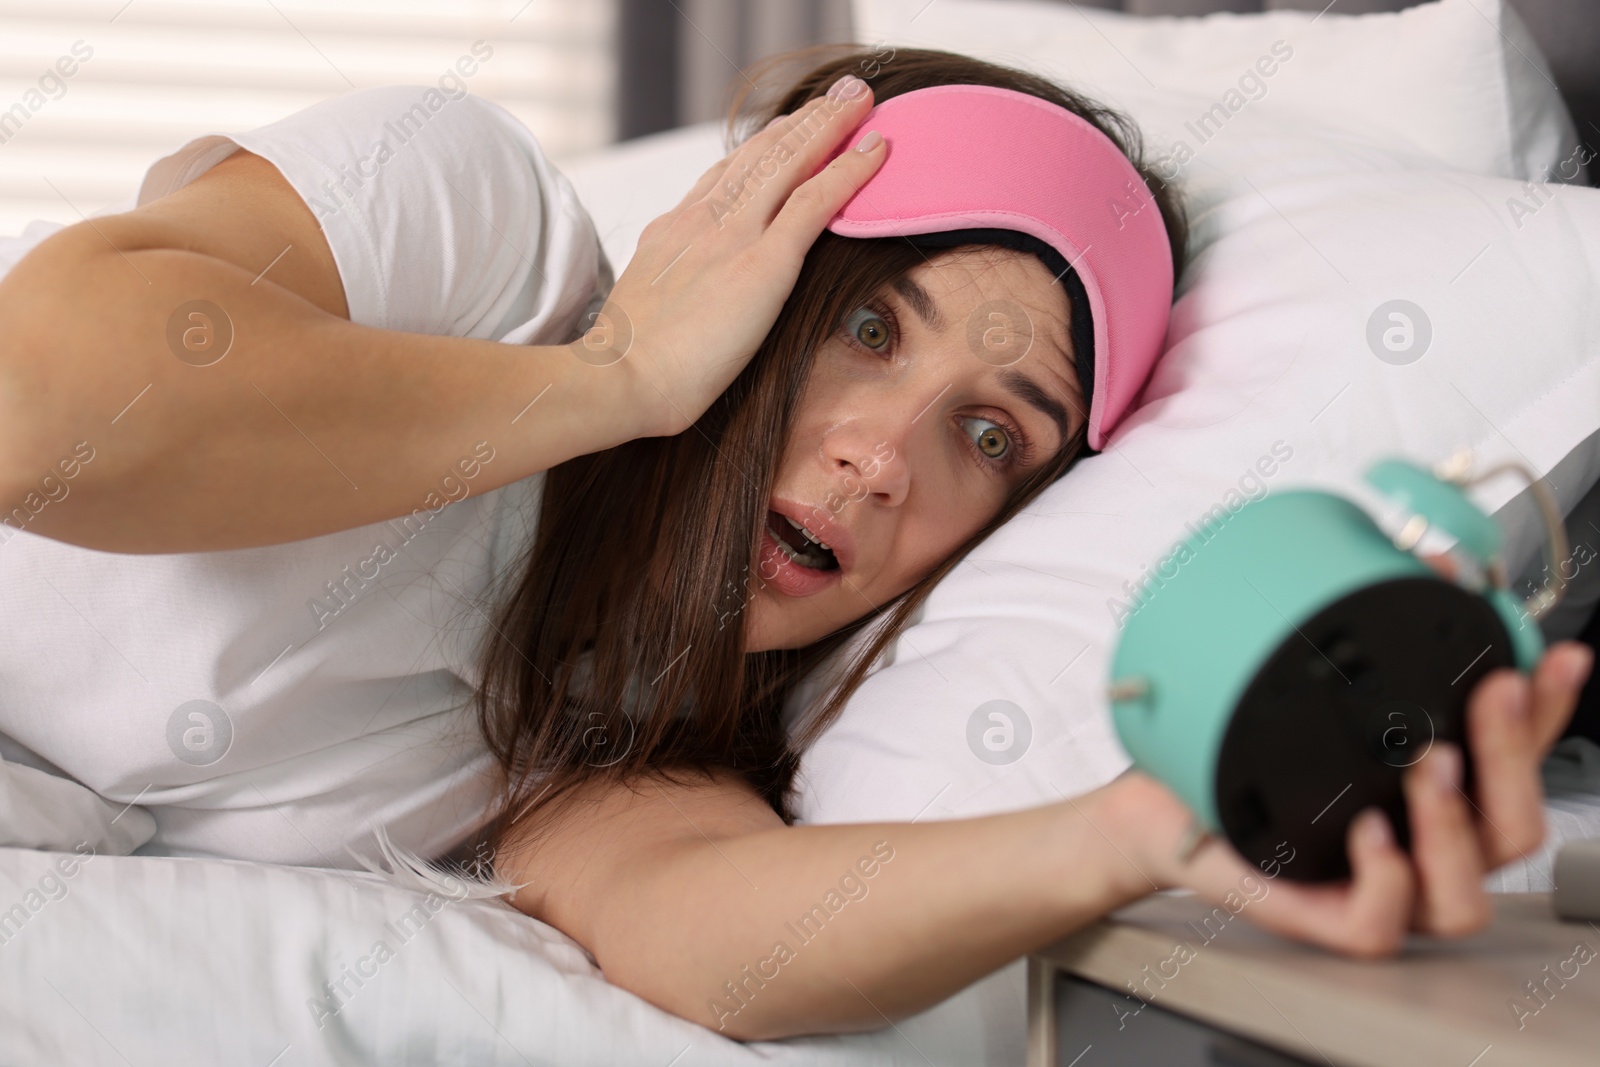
620,650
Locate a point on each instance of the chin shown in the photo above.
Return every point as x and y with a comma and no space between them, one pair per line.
765,628
773,621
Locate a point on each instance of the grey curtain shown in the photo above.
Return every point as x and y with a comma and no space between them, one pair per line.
680,58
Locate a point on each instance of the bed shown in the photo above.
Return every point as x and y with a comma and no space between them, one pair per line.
109,958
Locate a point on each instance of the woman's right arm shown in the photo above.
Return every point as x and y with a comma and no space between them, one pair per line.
311,423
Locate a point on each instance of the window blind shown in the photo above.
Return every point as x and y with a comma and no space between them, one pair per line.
93,91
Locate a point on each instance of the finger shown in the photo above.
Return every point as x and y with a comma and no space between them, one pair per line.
1511,723
1366,917
751,172
1557,683
702,185
1382,888
1445,847
800,148
817,200
766,136
1505,757
1376,912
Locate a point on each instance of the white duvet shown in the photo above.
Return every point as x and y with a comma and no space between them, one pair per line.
118,959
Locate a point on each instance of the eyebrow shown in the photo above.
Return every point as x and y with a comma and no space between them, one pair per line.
921,303
1015,382
1029,392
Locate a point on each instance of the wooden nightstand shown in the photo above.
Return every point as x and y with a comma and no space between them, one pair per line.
1526,991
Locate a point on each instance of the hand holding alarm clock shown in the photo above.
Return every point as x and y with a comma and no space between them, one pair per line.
1305,689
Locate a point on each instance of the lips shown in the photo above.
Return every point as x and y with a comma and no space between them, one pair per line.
821,523
793,558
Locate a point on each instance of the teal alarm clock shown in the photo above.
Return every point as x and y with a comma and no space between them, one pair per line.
1299,658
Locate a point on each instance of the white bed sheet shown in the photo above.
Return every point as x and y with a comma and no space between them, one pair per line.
144,960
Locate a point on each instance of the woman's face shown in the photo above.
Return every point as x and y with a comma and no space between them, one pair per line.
922,413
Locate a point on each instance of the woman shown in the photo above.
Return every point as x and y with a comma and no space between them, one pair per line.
633,678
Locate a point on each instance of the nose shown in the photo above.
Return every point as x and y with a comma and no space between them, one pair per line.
868,460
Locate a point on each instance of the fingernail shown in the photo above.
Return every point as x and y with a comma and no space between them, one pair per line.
837,88
1374,829
774,121
1444,764
872,140
1576,670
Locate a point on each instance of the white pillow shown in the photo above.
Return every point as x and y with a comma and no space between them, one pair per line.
627,186
1459,83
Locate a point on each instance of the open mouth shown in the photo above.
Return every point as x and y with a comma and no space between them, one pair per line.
799,545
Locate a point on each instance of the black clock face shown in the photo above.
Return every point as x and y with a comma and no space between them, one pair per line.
1350,699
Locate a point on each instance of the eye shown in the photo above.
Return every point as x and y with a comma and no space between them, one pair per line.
991,438
869,328
997,445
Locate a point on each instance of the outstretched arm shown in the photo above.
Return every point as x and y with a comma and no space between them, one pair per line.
698,899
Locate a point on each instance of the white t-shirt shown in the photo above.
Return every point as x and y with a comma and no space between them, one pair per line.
279,703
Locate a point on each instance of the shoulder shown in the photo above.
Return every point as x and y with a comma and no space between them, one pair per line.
441,210
444,212
376,149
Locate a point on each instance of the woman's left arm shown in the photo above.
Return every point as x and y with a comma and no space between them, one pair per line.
698,899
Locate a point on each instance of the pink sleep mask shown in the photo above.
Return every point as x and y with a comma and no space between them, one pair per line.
974,157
